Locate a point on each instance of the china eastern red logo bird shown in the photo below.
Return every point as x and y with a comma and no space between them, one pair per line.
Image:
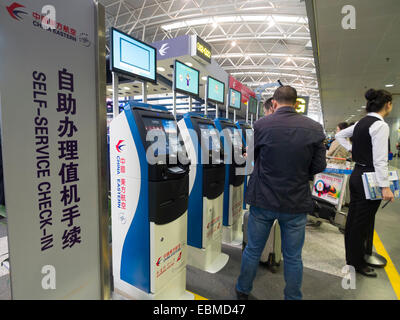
15,12
120,145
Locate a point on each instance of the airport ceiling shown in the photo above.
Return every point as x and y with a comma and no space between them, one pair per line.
351,61
257,42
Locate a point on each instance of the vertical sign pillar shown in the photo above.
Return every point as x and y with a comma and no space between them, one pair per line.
53,148
216,111
190,104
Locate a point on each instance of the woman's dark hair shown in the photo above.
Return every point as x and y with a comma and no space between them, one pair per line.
377,99
342,125
268,104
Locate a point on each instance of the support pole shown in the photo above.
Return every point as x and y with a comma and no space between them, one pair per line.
258,107
227,106
234,116
205,100
144,92
174,104
190,104
216,111
115,85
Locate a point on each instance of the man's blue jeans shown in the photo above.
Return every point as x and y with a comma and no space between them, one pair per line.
292,232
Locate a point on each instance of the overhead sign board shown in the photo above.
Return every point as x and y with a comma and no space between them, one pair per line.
173,48
51,147
200,50
302,105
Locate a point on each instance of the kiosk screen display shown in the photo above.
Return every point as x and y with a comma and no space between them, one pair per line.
169,128
215,90
235,99
132,57
208,130
236,142
186,79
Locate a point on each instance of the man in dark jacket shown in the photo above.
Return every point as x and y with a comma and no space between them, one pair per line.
288,151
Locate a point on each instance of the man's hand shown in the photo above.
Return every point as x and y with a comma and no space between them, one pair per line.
387,194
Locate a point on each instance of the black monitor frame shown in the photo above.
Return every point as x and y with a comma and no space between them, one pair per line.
208,88
123,72
240,98
183,91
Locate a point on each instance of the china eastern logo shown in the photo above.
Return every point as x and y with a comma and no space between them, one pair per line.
120,146
15,11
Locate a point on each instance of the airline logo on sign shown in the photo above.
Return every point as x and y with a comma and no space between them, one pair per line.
120,146
165,262
14,11
163,49
48,23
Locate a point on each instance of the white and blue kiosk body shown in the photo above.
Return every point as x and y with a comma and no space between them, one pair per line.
234,183
206,185
149,206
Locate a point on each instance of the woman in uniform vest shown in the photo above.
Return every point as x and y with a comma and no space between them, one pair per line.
370,152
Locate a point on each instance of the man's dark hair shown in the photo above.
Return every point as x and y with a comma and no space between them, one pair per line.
268,104
342,125
285,95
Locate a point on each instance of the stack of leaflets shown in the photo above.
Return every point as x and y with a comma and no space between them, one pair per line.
373,192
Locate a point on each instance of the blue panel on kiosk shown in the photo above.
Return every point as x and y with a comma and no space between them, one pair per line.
218,124
195,208
135,260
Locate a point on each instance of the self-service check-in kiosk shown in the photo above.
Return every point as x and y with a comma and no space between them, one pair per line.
247,135
234,181
206,185
149,206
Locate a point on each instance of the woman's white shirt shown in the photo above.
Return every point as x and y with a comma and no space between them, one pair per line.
379,132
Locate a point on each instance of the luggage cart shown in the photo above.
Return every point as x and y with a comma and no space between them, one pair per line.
331,194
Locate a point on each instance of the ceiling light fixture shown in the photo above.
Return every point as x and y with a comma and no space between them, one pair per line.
189,64
233,43
161,69
389,85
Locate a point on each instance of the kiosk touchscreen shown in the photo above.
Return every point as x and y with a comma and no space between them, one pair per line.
234,181
149,200
206,185
247,138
